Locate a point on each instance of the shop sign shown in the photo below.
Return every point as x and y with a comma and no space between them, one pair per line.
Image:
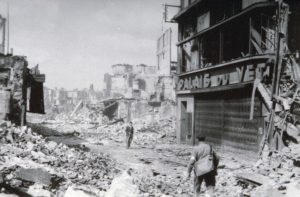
214,78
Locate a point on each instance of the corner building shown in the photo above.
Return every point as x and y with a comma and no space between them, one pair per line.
223,47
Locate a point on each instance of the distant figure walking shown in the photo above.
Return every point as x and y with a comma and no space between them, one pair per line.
129,134
205,162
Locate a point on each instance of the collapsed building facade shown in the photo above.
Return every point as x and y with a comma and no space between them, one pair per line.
238,72
131,82
166,66
21,89
62,100
132,90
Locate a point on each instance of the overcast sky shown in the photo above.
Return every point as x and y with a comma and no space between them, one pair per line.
76,41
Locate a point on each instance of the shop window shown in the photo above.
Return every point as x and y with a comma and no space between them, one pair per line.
225,9
194,55
234,41
185,58
262,39
210,49
188,28
190,56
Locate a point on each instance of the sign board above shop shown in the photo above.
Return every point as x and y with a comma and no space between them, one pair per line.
236,73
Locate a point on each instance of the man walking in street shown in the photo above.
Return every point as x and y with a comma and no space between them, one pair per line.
204,161
129,134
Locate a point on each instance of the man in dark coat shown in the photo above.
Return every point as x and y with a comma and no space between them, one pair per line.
129,134
201,151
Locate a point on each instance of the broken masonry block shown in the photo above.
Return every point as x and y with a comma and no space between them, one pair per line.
38,175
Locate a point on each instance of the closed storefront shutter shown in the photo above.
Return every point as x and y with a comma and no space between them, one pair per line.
224,118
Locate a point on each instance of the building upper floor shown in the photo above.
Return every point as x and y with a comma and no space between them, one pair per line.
212,32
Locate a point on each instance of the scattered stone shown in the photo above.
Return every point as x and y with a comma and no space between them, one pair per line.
292,130
123,186
266,191
51,145
73,191
37,190
296,162
293,189
254,178
37,175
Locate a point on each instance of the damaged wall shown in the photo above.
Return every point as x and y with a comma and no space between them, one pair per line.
35,98
165,88
140,82
146,78
251,30
16,78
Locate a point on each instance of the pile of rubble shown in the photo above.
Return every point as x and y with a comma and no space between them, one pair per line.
169,179
165,185
146,134
161,131
31,165
280,171
277,173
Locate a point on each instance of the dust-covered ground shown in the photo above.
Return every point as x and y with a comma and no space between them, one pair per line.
87,159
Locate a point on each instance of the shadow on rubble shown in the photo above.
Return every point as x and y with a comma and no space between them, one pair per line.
69,139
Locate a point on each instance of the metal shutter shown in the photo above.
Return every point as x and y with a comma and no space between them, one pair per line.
224,118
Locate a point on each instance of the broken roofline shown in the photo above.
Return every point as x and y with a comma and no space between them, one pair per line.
6,60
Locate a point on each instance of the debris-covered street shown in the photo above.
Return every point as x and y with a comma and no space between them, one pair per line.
139,98
65,155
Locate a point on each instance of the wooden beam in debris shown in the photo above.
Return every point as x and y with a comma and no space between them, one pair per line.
265,95
253,178
281,30
295,70
117,99
78,106
110,105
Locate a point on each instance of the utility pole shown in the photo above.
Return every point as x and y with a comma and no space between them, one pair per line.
3,32
8,30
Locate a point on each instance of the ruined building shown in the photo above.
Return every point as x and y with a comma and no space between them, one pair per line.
130,91
62,100
21,89
131,81
238,72
166,66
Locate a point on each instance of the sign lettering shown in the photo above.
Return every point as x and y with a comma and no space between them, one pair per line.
237,74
